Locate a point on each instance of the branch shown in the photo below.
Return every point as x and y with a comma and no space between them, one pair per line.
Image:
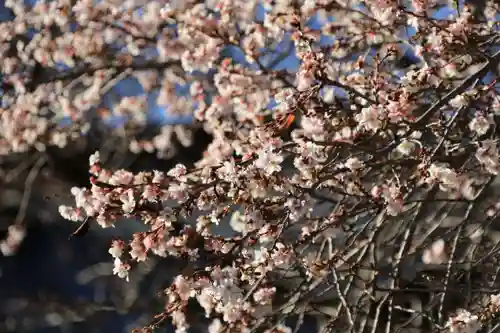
76,72
491,63
28,187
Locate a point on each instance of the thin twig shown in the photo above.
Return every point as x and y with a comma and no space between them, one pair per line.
28,185
460,88
448,273
342,298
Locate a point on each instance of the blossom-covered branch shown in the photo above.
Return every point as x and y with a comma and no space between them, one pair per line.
357,174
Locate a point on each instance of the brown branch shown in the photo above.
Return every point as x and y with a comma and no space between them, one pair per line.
28,187
89,70
490,64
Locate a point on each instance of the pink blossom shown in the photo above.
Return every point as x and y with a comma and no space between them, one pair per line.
116,249
121,269
463,322
15,236
353,163
370,118
435,254
268,160
480,125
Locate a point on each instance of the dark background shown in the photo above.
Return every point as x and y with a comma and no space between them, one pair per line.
47,282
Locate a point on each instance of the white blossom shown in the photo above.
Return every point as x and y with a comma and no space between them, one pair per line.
463,322
269,161
121,269
480,125
370,118
435,254
116,249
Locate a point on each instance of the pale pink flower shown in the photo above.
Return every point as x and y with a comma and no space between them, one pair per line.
264,295
138,251
70,213
116,249
394,206
480,125
178,192
128,201
422,5
121,269
183,287
450,70
313,127
459,101
495,301
435,254
268,161
158,177
178,171
180,321
15,236
370,118
94,158
463,322
353,163
408,147
7,248
121,177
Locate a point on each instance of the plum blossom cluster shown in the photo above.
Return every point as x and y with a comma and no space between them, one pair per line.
330,176
465,321
61,60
